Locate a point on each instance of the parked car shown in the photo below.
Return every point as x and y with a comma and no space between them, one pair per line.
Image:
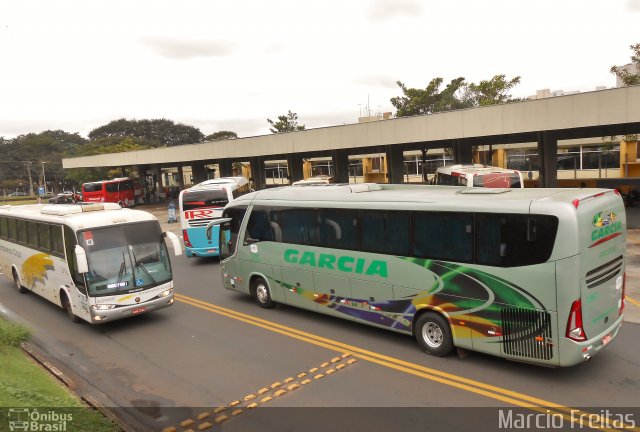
65,198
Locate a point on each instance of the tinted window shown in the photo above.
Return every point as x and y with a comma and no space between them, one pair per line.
13,229
44,237
57,246
443,235
4,227
200,199
22,230
514,240
259,226
230,230
113,187
384,232
32,234
92,187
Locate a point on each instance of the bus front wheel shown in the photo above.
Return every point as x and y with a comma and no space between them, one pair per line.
433,334
66,305
16,280
260,292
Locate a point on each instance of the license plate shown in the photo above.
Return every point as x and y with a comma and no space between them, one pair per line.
606,339
138,310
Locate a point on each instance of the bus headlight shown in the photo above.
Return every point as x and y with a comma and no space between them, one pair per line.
166,293
103,306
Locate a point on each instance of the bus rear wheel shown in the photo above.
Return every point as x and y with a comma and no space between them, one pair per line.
261,294
433,334
66,305
16,280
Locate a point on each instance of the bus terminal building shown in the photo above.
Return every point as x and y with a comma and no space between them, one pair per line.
571,140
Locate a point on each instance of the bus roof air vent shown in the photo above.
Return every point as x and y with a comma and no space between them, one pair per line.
484,191
364,187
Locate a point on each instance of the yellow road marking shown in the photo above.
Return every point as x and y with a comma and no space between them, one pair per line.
470,385
635,302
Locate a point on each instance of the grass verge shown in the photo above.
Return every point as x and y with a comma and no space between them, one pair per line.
25,384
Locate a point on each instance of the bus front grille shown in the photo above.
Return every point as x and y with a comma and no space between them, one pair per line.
527,333
604,273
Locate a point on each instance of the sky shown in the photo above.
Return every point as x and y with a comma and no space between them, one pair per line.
76,65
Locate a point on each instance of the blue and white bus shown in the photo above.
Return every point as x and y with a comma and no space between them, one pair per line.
202,203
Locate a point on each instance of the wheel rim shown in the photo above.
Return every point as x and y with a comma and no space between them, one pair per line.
262,293
432,335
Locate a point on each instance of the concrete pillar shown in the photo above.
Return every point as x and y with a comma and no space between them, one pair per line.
294,165
123,172
199,172
226,168
258,173
548,155
180,177
462,153
341,165
395,164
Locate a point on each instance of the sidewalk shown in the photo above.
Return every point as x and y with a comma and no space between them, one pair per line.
632,309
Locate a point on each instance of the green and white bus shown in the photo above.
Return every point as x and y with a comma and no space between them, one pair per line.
534,275
99,262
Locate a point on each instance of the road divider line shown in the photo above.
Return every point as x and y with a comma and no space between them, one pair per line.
635,302
466,384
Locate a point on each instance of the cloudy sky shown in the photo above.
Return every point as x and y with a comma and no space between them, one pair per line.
76,64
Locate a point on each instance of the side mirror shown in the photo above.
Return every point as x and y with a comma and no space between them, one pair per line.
211,224
81,259
175,242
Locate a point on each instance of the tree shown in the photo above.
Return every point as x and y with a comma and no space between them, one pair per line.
430,99
625,75
162,131
493,91
286,123
221,136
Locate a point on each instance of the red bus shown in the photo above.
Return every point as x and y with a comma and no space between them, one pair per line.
118,190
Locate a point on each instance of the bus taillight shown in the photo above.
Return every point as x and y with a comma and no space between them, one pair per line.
185,237
575,330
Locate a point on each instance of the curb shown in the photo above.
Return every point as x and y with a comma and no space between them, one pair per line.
32,351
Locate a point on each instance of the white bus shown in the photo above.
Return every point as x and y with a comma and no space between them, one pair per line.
534,275
478,175
99,262
202,203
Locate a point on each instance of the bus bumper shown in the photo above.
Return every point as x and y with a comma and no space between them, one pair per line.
572,352
202,252
102,316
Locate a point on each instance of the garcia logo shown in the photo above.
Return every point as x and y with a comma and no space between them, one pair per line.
342,263
604,218
607,227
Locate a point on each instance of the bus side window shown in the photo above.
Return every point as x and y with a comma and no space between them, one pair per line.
12,233
70,246
22,231
57,246
258,227
44,237
443,235
4,227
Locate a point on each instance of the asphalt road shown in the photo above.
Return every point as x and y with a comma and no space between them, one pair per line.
214,347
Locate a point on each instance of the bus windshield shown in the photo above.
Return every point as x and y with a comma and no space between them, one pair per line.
125,258
204,198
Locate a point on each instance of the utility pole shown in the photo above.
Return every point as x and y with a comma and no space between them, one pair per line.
30,181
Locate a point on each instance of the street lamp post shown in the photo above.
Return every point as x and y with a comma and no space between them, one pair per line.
44,178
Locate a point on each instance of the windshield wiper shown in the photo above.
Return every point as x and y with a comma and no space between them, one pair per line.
123,268
139,264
